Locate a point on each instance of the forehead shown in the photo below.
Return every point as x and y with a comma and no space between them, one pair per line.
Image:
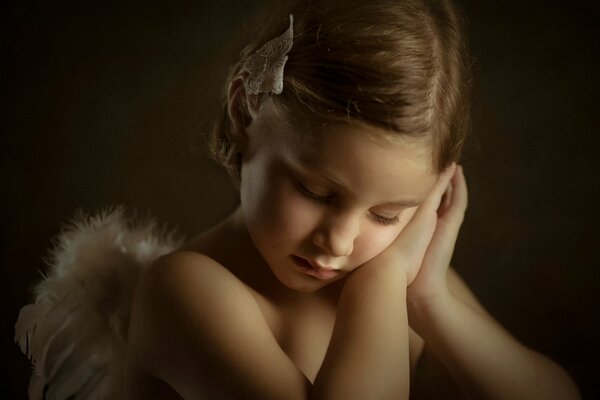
368,161
302,128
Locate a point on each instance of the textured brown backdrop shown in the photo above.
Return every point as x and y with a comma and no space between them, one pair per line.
104,103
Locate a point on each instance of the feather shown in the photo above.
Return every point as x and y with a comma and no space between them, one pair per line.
28,316
75,333
46,331
37,386
89,391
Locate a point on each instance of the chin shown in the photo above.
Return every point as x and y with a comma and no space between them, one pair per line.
303,285
300,283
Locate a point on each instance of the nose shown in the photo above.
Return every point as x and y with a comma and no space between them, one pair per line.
336,234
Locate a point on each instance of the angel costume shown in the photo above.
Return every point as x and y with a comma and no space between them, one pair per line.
76,331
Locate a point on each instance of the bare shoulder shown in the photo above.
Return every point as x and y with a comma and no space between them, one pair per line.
195,326
164,299
183,271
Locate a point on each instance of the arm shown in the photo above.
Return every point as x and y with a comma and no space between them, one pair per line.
368,353
196,327
429,378
482,358
368,356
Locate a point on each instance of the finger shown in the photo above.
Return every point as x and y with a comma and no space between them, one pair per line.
448,226
446,200
460,194
422,217
440,249
444,181
432,202
463,194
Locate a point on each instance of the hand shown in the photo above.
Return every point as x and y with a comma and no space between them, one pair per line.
408,249
431,279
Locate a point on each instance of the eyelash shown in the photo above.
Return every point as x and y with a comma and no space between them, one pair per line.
312,196
327,200
386,221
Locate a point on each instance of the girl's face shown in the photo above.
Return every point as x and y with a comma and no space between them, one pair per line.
334,197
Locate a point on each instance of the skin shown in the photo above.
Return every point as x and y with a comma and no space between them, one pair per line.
231,315
328,197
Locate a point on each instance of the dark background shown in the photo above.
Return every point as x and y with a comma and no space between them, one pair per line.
105,102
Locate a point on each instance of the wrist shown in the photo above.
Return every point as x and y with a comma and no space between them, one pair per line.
377,269
422,308
397,260
428,291
375,274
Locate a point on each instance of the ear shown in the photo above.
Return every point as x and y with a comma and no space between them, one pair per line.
242,109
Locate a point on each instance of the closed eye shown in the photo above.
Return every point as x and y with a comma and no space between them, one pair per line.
303,190
385,220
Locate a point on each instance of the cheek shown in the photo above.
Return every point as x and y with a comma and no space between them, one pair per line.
275,213
372,242
376,238
291,219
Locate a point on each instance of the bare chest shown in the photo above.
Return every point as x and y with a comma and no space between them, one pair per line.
303,330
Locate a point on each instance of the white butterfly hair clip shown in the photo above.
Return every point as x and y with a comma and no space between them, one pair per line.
265,66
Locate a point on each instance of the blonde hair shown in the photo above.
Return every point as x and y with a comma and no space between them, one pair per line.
399,65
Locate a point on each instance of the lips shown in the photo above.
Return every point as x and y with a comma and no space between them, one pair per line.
314,268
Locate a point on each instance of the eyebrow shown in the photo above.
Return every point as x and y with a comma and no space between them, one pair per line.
307,165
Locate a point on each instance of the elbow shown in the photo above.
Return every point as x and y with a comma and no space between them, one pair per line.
559,384
568,390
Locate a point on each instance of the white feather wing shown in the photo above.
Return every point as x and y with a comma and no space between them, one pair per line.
76,331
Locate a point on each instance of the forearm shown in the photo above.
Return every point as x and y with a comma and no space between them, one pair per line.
482,358
368,353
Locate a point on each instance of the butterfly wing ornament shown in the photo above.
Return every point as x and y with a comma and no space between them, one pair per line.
75,333
265,67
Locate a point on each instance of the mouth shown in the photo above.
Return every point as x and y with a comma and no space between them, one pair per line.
313,269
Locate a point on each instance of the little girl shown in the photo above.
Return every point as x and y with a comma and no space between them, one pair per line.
342,126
